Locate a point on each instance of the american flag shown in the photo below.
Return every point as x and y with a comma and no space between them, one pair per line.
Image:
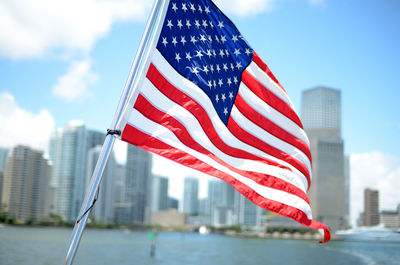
210,103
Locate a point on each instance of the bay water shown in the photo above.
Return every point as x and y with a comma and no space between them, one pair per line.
47,246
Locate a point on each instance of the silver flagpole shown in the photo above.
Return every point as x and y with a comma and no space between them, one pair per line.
112,134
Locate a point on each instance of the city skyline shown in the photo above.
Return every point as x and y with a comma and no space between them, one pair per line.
347,46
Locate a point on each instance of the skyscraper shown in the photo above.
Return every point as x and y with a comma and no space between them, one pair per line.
27,185
3,158
138,184
159,199
103,211
68,151
321,117
191,196
371,207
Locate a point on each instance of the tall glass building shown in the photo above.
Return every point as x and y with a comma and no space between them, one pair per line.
191,196
321,117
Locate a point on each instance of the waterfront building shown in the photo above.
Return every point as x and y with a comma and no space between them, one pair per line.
191,196
138,185
321,117
169,218
26,190
69,147
159,199
103,210
3,158
173,203
371,207
250,215
390,219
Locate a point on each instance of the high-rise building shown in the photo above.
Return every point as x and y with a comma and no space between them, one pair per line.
68,151
26,186
1,188
223,203
191,196
250,215
103,210
173,203
3,158
160,194
138,185
321,117
371,207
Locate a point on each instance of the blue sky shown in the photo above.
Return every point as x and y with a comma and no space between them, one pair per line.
55,68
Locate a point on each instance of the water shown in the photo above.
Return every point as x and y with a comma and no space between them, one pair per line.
47,246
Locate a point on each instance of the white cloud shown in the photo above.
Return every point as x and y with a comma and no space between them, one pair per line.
35,28
19,126
245,8
374,170
74,84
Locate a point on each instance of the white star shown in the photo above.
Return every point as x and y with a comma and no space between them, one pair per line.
174,41
184,8
221,53
192,7
188,56
197,24
247,52
199,54
177,57
216,98
231,95
169,24
200,9
210,38
216,38
235,80
237,52
164,41
223,97
229,82
174,7
218,68
210,84
225,111
211,24
193,39
215,84
220,24
205,69
223,39
205,25
183,40
214,53
180,24
188,25
209,53
225,67
203,38
207,10
234,38
195,71
239,65
232,67
220,83
212,68
226,52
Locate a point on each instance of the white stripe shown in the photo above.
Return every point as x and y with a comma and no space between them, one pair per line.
266,81
164,104
161,133
197,94
265,136
272,114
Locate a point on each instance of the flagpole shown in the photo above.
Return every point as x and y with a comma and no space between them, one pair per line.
112,135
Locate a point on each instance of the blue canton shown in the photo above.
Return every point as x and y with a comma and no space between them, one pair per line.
204,46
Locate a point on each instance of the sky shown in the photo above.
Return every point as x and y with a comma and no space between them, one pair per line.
69,60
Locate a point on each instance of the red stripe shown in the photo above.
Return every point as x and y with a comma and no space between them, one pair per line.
154,114
270,126
263,66
180,98
145,141
250,139
270,98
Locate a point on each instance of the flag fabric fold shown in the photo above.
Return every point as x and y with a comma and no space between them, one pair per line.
208,102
